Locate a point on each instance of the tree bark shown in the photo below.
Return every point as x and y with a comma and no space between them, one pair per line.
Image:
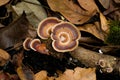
105,63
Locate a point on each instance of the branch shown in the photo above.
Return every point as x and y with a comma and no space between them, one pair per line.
105,63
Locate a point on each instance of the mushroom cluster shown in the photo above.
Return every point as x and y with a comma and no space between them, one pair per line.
35,44
65,35
44,27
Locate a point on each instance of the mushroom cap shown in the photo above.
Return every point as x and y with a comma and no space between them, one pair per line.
34,43
3,2
26,43
65,37
44,27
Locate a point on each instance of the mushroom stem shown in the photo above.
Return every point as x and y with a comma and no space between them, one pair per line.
36,45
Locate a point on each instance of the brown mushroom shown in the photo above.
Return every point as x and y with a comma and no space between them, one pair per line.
65,37
36,45
26,43
44,27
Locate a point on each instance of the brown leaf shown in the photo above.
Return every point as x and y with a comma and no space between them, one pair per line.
78,74
88,5
1,26
84,74
4,76
4,57
17,59
3,2
14,33
113,12
77,14
31,10
117,1
104,23
25,73
93,29
105,3
42,75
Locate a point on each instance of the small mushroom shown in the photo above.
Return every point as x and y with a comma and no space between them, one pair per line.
26,43
36,45
44,27
65,37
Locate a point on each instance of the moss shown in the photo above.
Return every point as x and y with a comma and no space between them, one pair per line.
114,33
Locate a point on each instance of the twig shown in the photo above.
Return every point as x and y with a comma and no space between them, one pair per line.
105,63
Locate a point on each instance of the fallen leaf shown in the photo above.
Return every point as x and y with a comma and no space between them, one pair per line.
4,76
105,3
67,75
3,2
117,1
104,23
25,73
1,26
76,14
15,32
4,57
113,12
78,74
42,75
93,29
34,10
84,74
89,5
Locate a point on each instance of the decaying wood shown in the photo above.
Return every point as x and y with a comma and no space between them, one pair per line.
89,58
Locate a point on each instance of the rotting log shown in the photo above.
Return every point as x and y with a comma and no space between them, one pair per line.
106,63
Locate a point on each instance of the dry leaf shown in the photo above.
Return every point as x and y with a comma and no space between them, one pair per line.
93,29
4,76
88,5
67,75
25,73
42,75
78,74
4,57
104,23
1,26
14,33
73,12
84,74
113,12
34,10
105,3
3,2
117,1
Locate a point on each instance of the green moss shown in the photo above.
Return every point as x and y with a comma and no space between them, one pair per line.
114,33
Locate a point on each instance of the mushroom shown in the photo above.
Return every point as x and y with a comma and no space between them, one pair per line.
65,37
44,27
36,45
26,43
